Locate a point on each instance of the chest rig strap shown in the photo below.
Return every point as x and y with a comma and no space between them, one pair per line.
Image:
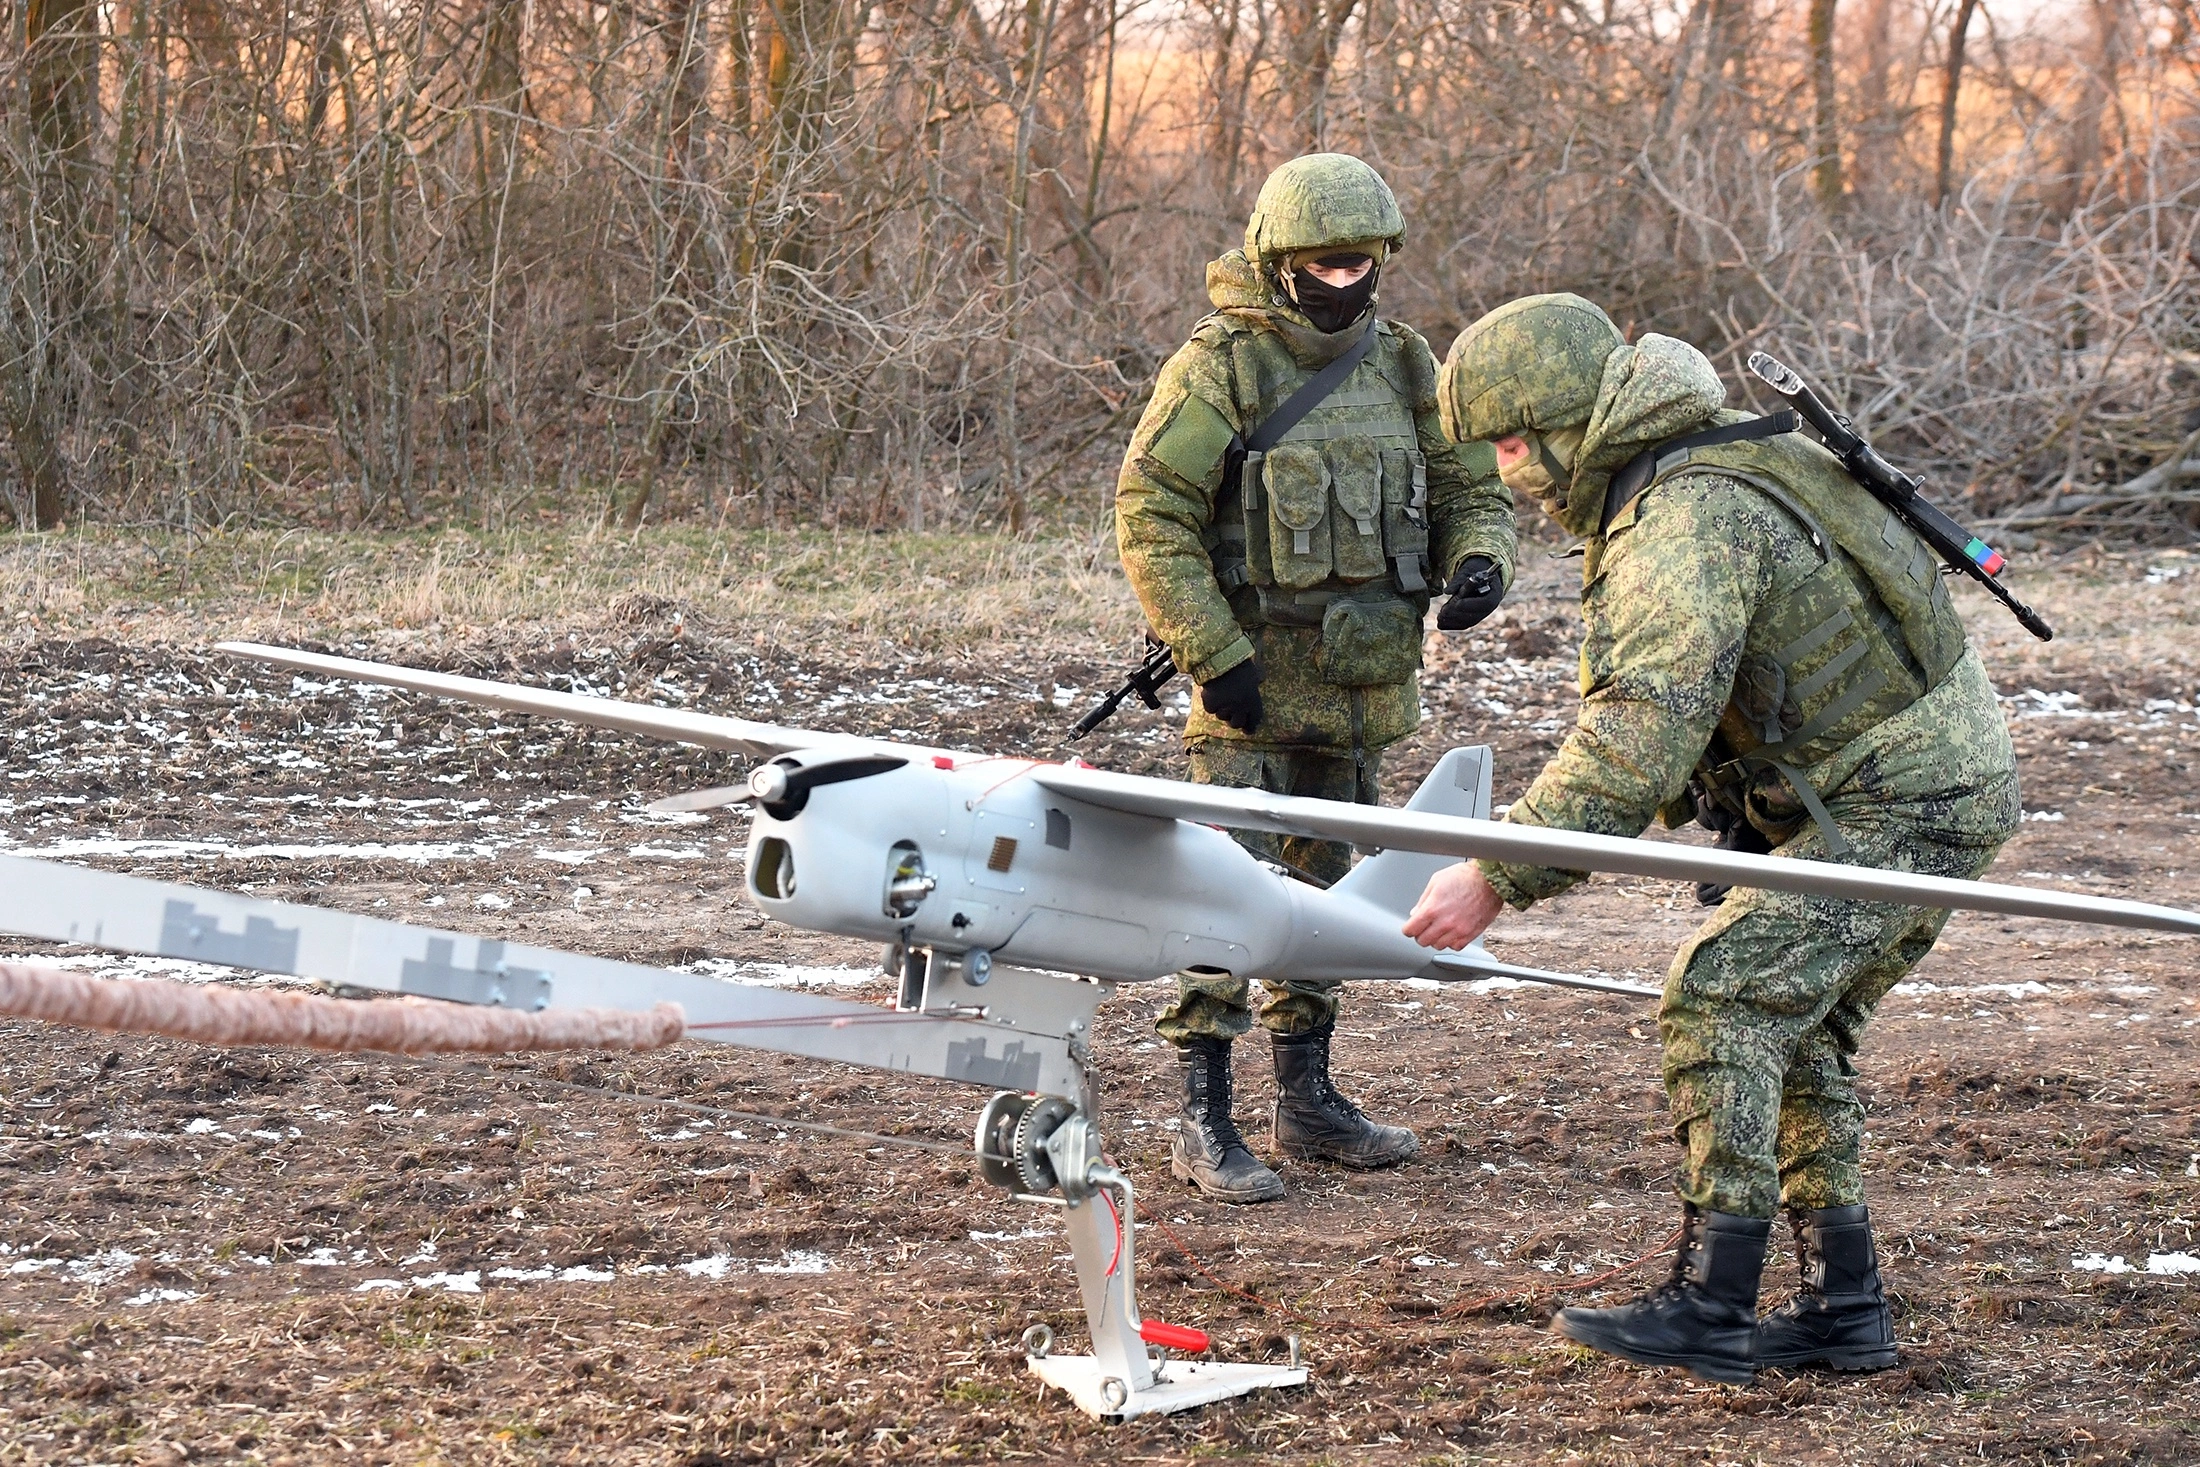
1653,464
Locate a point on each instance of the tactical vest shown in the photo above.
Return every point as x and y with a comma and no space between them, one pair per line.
1866,634
1329,528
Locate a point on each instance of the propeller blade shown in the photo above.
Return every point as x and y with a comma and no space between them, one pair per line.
694,801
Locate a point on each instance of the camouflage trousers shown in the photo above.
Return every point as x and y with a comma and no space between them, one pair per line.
1220,1005
1765,1006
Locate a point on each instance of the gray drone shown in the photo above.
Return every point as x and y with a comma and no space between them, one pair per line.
1011,895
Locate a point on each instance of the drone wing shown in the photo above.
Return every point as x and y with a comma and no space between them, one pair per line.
1451,835
709,731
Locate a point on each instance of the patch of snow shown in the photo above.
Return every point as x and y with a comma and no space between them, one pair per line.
160,1296
778,975
180,850
656,852
716,1266
797,1260
2158,1264
103,1267
468,1282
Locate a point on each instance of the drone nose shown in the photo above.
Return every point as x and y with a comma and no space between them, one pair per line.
768,782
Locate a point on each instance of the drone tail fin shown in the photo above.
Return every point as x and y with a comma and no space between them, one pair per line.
1392,880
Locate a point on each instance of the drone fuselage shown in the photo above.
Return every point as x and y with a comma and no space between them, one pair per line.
984,859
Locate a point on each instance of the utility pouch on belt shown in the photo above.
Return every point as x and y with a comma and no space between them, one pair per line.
1369,643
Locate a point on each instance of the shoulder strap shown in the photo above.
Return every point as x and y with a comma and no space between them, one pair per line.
1311,393
1641,471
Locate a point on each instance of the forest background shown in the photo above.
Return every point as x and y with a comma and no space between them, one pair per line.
914,263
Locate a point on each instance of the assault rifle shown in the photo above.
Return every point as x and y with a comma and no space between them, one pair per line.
1146,683
1958,547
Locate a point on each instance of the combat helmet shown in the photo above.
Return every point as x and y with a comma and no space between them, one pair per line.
1534,363
1323,201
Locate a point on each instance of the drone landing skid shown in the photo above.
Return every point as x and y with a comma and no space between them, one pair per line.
1039,1145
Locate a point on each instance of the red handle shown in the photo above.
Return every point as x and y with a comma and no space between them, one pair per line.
1173,1336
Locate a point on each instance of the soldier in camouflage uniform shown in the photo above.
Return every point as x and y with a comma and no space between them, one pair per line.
1295,603
1767,648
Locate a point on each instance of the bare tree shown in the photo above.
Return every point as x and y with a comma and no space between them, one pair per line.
1951,89
916,261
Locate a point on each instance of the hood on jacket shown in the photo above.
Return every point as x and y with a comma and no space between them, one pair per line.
1239,288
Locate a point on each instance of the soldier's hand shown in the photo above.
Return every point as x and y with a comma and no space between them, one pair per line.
1234,697
1475,589
1455,908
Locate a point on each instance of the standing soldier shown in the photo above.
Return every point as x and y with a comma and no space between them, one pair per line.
1770,650
1287,506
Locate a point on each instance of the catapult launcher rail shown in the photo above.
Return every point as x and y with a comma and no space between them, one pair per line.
1009,897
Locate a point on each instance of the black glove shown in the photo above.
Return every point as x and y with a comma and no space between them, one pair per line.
1475,589
1234,697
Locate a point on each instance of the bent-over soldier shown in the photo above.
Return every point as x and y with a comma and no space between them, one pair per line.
1769,649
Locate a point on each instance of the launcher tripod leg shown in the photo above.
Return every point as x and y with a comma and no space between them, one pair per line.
1120,1379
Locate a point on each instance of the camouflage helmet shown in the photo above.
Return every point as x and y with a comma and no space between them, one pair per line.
1319,201
1532,363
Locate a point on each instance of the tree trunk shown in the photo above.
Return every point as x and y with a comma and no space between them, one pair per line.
1825,174
1875,131
1951,88
1312,32
681,30
61,61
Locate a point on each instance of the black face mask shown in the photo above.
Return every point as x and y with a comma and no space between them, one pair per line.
1331,309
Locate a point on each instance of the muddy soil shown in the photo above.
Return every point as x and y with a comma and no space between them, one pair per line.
271,1256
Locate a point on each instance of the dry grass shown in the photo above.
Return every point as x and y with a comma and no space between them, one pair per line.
959,593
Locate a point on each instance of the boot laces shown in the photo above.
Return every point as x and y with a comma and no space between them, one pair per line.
1216,1124
1325,1091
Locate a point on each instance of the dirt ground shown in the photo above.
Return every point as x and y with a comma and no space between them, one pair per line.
272,1256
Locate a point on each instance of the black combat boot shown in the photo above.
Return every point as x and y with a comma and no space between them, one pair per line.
1210,1153
1704,1318
1314,1122
1839,1316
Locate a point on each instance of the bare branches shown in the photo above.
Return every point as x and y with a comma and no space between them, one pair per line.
918,259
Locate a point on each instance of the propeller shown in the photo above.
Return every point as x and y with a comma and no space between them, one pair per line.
694,801
781,787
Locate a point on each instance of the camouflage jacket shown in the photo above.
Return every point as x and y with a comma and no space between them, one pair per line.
1240,364
1668,602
